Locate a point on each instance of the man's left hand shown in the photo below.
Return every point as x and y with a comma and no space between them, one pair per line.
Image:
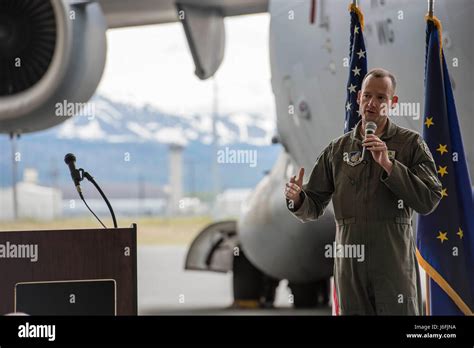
379,151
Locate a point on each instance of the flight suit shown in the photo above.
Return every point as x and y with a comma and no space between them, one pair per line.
374,210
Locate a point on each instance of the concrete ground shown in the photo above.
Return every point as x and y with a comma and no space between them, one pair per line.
165,288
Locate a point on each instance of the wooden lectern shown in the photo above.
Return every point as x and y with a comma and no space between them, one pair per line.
69,272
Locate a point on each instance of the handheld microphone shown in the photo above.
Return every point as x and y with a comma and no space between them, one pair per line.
370,128
70,160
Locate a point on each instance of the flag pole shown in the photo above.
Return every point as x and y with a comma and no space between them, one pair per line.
427,277
428,297
430,8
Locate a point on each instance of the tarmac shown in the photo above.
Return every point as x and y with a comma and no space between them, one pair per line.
166,288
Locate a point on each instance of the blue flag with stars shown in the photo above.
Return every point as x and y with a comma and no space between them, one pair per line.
445,238
358,67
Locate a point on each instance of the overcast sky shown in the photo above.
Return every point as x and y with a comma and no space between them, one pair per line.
153,65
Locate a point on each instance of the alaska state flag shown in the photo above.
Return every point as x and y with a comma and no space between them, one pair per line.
445,238
358,67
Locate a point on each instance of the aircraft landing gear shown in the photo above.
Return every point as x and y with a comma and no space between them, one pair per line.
252,288
310,295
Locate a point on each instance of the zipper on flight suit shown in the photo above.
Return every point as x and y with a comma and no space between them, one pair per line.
368,170
367,189
368,237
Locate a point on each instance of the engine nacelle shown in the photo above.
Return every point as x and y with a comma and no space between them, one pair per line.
51,51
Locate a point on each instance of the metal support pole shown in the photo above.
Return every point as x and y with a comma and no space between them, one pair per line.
13,137
215,139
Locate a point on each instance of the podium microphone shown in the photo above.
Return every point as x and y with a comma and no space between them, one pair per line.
70,160
370,128
77,176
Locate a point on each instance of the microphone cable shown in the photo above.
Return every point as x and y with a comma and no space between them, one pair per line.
87,205
77,176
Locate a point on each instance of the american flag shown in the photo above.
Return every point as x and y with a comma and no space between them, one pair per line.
358,67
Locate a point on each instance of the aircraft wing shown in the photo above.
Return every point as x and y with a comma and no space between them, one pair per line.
203,22
126,13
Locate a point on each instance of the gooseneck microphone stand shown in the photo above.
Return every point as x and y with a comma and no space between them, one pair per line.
89,177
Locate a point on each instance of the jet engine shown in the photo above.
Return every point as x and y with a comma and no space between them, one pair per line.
52,52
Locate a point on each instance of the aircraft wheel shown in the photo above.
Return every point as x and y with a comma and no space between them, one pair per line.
252,288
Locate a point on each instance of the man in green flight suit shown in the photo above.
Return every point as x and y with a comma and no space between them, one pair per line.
373,201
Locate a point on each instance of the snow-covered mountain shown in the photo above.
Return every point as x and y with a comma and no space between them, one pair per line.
122,144
116,122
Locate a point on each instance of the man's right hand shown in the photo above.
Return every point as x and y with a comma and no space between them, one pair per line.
293,189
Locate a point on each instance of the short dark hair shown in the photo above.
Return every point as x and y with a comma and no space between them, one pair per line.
379,72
